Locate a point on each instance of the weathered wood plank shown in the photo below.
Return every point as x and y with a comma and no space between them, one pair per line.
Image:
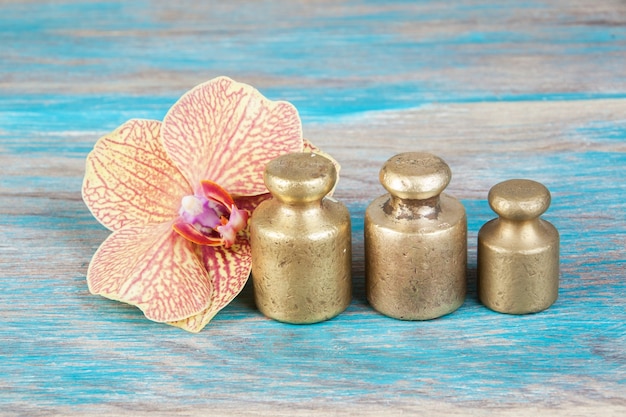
498,89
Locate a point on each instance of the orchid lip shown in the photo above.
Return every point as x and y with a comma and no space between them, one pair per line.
210,217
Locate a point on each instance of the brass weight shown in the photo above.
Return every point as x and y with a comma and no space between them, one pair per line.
301,242
518,253
415,241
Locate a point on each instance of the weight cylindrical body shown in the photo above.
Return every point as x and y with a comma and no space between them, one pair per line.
301,243
416,268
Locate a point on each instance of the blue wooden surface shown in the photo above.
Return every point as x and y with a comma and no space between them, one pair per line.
499,89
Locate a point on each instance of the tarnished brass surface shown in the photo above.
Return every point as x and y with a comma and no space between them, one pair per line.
415,241
518,253
301,243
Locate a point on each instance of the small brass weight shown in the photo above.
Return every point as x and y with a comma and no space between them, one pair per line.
301,242
415,241
518,253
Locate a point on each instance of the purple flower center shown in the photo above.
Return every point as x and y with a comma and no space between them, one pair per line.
212,219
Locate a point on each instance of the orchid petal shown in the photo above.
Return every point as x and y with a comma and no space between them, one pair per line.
153,268
229,270
227,132
130,180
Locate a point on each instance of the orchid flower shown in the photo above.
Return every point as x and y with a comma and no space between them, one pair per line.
177,196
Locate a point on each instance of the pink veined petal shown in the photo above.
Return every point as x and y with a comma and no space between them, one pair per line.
130,180
153,268
229,270
227,132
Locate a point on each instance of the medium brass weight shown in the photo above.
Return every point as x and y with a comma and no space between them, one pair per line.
518,253
415,241
301,242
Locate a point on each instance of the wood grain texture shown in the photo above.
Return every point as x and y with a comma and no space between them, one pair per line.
498,89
